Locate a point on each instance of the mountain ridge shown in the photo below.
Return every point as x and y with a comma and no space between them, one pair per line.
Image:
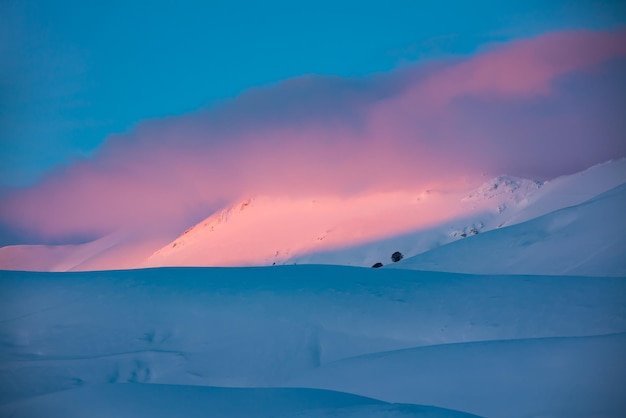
585,239
357,230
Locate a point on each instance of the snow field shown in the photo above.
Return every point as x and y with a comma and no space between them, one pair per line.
485,345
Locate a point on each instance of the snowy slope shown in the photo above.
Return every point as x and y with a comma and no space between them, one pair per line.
292,325
585,239
265,230
363,230
357,230
171,401
571,190
553,377
119,250
40,257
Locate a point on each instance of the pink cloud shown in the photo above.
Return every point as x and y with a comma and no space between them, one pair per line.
523,68
510,109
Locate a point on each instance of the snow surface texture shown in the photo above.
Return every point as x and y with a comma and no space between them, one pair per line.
161,342
353,230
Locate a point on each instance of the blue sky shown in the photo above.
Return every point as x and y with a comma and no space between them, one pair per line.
72,72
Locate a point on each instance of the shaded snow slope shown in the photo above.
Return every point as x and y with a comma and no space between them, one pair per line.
571,190
586,239
169,401
547,377
269,327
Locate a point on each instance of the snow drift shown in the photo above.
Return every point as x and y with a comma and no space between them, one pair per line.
490,337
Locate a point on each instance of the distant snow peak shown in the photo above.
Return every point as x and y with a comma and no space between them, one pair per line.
206,226
504,185
225,214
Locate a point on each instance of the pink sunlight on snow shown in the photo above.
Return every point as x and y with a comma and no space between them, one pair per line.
539,107
250,232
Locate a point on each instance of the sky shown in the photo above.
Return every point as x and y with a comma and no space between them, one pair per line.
159,111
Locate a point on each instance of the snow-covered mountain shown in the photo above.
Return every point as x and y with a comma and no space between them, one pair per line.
363,230
587,239
357,230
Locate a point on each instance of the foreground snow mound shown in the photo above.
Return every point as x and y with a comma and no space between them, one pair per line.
262,327
586,239
555,377
169,401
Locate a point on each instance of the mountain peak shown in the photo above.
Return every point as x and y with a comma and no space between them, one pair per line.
208,225
503,185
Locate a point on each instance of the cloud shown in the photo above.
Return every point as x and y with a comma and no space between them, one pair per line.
538,107
525,68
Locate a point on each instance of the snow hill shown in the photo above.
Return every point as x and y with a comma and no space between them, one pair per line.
349,231
357,230
380,342
363,230
585,239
